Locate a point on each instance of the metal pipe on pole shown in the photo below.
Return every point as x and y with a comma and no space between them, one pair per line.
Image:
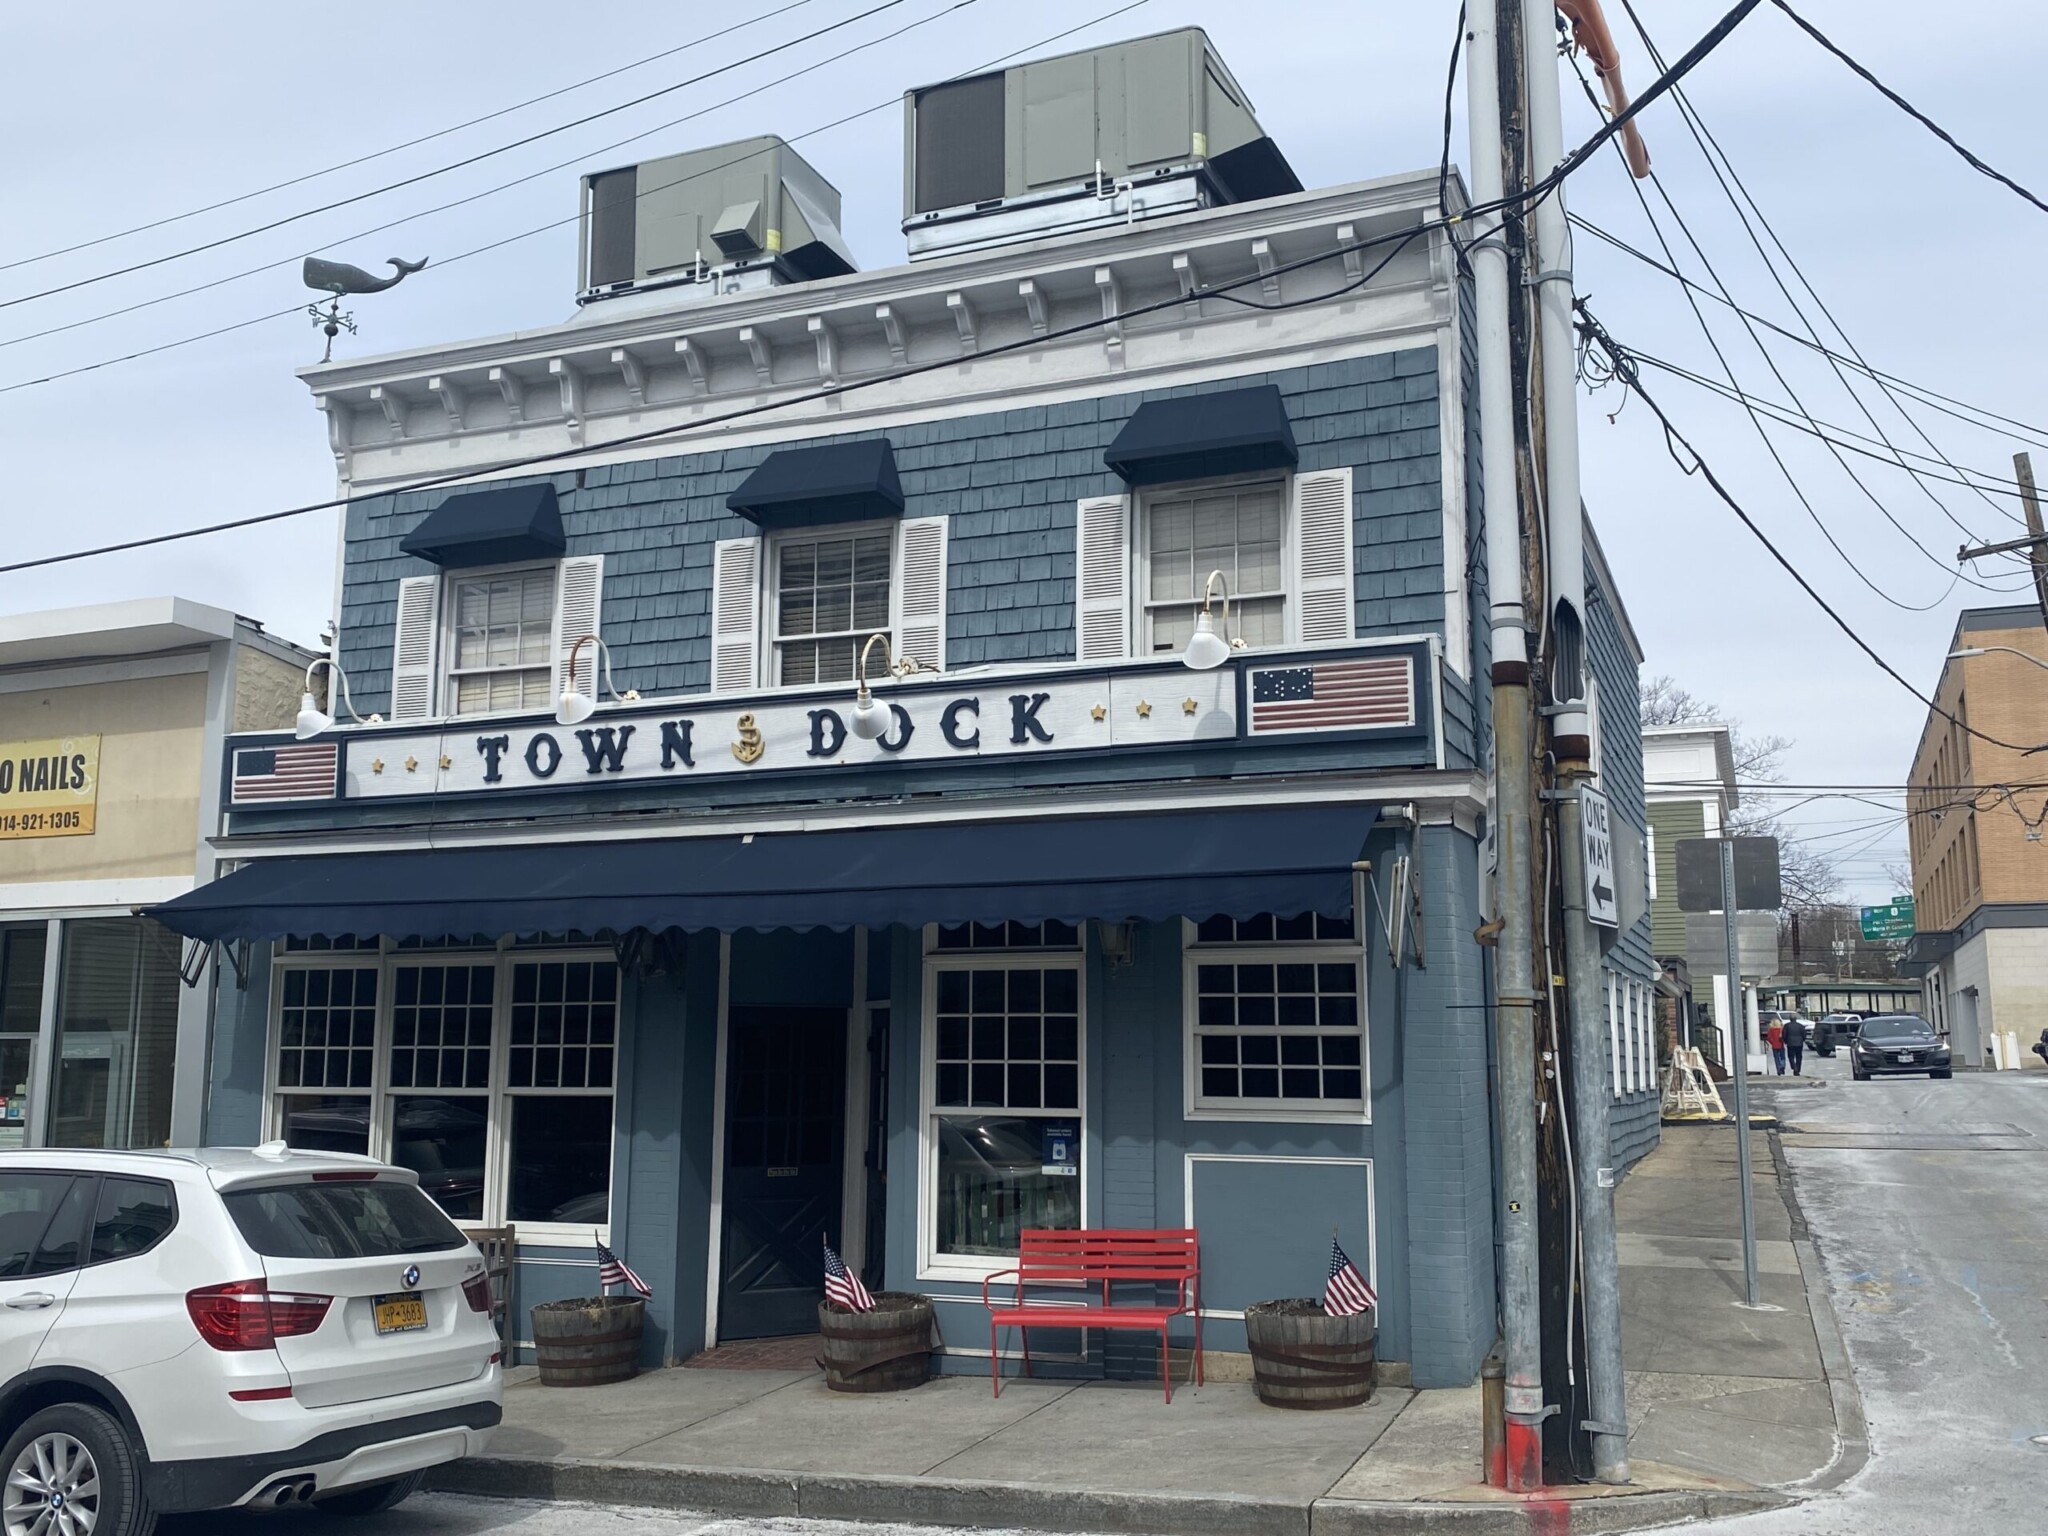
1739,1071
1514,970
1571,745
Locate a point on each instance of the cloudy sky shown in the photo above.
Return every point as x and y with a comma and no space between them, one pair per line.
122,114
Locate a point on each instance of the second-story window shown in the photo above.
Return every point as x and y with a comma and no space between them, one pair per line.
501,640
831,591
1239,530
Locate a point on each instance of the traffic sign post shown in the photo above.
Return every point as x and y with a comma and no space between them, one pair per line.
1603,909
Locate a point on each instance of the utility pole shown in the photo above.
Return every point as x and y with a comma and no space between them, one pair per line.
2036,541
1491,48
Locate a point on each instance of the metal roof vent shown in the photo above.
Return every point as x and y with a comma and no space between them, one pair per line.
740,216
1134,130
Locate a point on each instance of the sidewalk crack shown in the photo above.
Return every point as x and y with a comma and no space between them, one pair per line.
1072,1388
706,1418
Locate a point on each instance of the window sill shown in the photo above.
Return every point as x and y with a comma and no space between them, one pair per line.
1281,1114
551,1234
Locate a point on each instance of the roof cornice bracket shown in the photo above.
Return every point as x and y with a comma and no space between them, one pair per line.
632,371
693,359
828,350
763,354
892,328
1034,305
1269,277
513,391
963,317
452,401
570,382
393,406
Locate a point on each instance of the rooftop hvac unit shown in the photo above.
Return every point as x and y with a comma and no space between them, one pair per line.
744,215
1137,129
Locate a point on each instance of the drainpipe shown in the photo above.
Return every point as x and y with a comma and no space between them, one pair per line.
1514,994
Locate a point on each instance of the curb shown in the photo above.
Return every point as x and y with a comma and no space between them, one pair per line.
1852,1429
985,1505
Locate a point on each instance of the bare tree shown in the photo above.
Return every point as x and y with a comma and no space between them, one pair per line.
1809,877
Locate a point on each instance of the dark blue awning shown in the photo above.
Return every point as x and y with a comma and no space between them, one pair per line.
1197,437
832,483
1284,860
519,522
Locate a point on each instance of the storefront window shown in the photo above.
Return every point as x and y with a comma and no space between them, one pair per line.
561,1160
118,1034
1006,1101
326,1122
1276,1025
22,951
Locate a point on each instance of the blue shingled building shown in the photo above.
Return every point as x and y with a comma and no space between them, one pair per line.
898,861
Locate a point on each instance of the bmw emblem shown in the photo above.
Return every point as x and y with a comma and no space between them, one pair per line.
411,1277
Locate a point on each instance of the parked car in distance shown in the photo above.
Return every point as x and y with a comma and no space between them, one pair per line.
1833,1030
184,1331
1895,1043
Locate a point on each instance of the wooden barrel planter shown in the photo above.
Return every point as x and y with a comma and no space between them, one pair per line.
1304,1358
589,1341
886,1350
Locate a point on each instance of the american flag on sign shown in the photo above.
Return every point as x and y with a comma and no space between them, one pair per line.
1330,695
1345,1293
303,771
842,1286
613,1270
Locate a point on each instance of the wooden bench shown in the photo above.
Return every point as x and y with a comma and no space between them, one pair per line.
1089,1259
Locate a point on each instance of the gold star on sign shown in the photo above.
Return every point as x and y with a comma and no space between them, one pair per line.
447,763
1097,713
376,765
412,765
1144,709
1188,706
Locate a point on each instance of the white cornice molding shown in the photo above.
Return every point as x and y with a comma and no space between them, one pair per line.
676,367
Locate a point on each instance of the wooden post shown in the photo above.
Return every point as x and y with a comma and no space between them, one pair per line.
2023,471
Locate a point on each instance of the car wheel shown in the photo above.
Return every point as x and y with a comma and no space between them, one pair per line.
71,1471
373,1498
1859,1074
1944,1072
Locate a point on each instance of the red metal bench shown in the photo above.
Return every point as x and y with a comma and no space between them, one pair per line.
1105,1258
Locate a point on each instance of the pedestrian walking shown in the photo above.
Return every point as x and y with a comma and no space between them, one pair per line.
1795,1043
1774,1036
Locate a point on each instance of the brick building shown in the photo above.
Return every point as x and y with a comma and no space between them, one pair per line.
1065,927
1980,867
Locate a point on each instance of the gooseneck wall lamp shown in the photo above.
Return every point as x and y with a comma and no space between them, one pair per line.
573,708
312,719
870,720
1210,645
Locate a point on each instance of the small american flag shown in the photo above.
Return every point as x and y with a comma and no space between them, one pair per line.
842,1286
1345,1293
302,771
1327,695
613,1270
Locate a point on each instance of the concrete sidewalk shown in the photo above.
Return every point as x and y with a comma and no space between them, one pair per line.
1729,1409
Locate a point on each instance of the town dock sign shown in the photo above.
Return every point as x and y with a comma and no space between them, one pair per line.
49,788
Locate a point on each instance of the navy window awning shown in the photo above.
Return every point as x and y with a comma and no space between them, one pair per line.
519,522
1199,437
1285,860
832,483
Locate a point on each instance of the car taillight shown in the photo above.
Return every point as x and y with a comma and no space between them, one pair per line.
476,1290
247,1314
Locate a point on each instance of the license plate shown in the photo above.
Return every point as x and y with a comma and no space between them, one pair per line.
400,1314
1907,1056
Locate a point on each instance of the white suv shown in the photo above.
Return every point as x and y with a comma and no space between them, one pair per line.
200,1330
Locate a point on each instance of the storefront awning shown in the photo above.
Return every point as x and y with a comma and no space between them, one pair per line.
1285,860
1229,432
835,483
490,528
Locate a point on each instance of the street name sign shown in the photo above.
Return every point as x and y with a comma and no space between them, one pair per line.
1892,921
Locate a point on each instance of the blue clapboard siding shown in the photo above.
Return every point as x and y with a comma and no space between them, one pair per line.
1008,481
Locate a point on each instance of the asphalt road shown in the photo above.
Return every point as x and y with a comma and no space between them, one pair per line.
1929,1203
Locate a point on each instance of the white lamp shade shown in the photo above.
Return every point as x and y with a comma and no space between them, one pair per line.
870,720
574,708
1206,649
311,722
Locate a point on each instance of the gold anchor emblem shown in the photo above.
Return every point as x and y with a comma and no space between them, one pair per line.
751,745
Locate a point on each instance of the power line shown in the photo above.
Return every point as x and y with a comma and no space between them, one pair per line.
1624,369
1907,107
517,181
1948,405
1400,239
413,143
532,138
1711,148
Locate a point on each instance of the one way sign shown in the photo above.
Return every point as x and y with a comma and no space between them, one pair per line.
1601,906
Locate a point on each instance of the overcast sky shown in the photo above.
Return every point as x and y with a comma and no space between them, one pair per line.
122,113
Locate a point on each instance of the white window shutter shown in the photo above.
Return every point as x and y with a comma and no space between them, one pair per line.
921,591
736,615
1322,555
412,648
1103,585
579,594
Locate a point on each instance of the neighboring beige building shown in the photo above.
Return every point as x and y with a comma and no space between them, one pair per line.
1980,864
111,724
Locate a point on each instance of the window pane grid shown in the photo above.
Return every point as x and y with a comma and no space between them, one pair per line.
1236,530
565,1023
441,1026
327,1028
502,656
1279,1025
1051,934
830,595
1009,1038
